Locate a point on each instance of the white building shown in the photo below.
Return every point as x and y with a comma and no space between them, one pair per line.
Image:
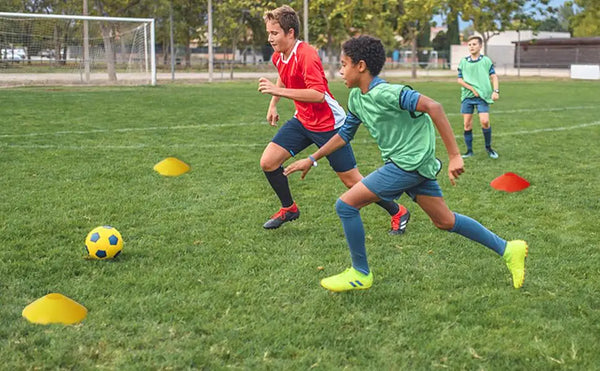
501,48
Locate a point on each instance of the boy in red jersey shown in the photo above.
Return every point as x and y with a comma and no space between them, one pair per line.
318,117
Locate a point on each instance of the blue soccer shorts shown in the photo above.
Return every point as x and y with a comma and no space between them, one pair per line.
389,182
294,138
468,105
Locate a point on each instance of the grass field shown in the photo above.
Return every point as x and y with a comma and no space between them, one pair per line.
200,284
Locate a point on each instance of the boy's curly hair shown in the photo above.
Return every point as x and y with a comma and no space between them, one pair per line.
368,49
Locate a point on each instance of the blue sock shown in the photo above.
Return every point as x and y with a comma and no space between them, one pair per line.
473,230
390,206
487,136
355,235
469,140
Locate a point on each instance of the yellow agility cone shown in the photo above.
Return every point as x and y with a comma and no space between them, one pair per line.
171,166
55,308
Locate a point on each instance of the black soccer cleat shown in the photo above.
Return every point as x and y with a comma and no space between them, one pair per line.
468,154
285,214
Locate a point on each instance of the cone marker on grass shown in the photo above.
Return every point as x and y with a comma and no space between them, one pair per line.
171,166
55,308
509,182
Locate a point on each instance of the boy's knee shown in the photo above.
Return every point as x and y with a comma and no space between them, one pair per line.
349,183
344,210
267,165
445,223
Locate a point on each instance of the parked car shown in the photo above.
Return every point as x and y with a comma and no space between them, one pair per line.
14,54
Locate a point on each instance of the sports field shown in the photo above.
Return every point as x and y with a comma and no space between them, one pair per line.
201,285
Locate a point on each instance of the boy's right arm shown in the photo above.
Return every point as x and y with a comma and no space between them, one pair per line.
438,116
467,86
272,114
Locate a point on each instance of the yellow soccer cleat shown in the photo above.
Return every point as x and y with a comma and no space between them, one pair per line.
514,256
350,279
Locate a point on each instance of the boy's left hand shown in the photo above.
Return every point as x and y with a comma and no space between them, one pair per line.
495,96
455,168
300,165
265,86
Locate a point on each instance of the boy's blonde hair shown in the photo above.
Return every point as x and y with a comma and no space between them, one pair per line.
286,17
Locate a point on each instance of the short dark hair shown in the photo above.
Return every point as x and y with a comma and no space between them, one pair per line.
368,49
287,18
475,37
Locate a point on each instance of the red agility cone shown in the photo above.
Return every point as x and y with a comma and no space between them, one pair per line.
509,182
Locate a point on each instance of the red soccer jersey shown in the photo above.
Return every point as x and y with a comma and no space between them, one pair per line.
304,70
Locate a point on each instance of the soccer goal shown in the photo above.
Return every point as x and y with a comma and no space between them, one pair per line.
67,49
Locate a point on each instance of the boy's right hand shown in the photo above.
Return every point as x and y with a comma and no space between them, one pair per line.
272,116
456,167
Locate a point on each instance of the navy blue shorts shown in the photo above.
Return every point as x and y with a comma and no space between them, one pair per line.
294,137
468,105
389,182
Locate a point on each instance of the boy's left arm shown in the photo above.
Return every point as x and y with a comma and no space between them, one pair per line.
438,116
496,91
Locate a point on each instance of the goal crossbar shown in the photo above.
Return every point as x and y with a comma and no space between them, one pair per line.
80,17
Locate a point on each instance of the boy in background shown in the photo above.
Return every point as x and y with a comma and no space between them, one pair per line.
479,83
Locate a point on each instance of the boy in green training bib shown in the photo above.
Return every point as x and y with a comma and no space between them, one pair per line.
402,121
475,73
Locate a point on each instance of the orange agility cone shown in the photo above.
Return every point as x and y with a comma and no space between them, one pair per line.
509,182
55,308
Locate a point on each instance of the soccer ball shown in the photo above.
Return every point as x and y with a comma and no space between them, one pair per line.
103,243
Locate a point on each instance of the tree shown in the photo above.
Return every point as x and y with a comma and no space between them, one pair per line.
564,14
440,41
414,18
453,27
113,8
552,24
238,21
587,21
190,24
490,17
328,23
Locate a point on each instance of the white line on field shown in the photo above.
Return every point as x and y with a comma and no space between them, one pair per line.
126,130
249,145
198,126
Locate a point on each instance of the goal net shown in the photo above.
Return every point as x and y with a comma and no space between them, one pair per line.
58,49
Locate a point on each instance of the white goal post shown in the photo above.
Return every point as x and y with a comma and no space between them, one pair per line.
56,49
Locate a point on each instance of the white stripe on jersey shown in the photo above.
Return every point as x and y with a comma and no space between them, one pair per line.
339,115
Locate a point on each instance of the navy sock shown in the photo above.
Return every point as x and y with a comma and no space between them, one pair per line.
473,230
390,206
355,235
487,135
280,185
469,140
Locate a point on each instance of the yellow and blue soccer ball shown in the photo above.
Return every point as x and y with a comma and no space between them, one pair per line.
103,242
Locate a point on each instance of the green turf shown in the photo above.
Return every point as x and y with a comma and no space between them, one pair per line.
201,285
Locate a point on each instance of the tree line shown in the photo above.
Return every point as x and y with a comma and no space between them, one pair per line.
238,24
